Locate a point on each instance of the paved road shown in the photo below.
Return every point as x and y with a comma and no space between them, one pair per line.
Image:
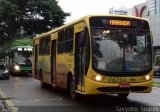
28,96
157,79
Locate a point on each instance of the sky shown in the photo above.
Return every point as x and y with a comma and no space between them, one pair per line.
80,8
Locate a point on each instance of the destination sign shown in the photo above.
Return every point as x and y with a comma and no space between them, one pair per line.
119,23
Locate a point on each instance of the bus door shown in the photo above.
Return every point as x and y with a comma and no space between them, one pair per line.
79,62
53,62
36,62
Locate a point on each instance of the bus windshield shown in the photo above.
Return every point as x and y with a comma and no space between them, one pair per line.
121,49
23,57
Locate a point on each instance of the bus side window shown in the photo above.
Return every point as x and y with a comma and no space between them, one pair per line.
42,46
47,45
69,34
61,42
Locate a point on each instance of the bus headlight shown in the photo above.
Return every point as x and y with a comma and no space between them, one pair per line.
16,67
147,77
98,78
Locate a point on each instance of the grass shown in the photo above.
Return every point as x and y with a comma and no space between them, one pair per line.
157,84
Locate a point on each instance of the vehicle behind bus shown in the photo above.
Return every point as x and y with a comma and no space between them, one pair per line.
156,65
18,60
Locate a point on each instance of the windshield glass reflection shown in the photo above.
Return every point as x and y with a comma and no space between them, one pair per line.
23,57
121,50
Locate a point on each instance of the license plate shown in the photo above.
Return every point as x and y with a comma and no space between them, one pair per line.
117,79
124,85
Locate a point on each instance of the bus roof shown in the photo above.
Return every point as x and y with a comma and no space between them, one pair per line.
18,47
86,18
21,47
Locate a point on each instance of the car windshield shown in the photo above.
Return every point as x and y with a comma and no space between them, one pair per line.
121,50
23,57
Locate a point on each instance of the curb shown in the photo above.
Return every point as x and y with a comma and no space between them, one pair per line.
7,103
156,85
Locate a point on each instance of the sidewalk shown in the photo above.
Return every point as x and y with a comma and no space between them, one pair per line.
157,79
156,82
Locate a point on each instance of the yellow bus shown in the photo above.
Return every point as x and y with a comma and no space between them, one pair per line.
97,54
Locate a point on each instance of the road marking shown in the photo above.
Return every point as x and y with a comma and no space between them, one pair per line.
156,87
158,104
8,103
38,100
18,83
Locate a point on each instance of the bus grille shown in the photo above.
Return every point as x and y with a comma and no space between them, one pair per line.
117,89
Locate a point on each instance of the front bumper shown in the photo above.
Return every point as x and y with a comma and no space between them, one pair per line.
21,72
94,87
2,75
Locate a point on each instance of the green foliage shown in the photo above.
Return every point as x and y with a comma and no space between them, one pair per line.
19,18
3,50
42,15
8,14
15,43
21,42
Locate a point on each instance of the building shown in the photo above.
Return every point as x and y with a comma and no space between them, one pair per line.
140,10
150,10
153,8
119,11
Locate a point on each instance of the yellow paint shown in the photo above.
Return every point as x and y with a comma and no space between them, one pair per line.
80,88
65,62
111,79
92,86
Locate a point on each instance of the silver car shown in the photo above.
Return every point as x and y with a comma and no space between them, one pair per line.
156,70
3,72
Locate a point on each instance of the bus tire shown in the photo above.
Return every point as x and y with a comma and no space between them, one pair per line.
123,95
72,89
42,84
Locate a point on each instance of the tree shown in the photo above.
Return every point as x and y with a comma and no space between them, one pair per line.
29,17
40,15
8,14
14,43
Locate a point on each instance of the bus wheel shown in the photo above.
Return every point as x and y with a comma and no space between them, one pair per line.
73,94
123,95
